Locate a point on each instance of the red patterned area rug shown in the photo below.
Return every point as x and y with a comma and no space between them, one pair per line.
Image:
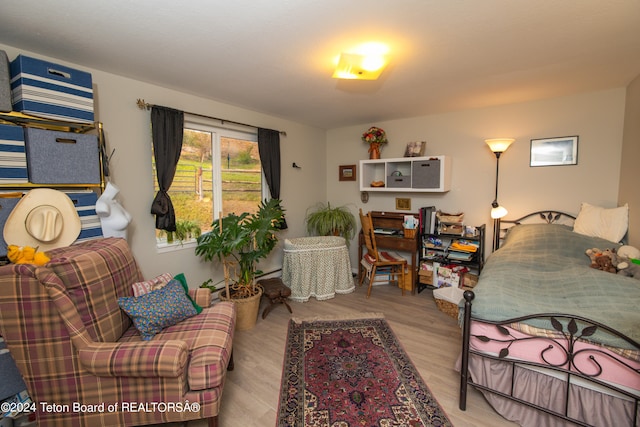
348,373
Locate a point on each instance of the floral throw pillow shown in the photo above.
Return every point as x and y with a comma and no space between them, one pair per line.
158,309
158,282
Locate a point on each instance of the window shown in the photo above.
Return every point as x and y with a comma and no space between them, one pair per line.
219,171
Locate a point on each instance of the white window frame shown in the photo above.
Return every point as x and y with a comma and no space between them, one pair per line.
217,131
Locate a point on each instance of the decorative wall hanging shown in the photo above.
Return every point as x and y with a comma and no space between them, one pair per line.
557,151
347,173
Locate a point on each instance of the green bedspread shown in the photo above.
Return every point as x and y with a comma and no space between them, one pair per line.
542,268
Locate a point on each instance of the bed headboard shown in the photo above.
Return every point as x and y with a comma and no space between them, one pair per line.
541,217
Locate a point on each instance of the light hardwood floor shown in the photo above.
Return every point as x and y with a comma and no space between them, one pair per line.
430,338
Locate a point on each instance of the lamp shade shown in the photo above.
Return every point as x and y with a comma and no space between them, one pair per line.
498,212
499,145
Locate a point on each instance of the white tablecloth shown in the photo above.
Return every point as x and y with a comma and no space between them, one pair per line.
317,267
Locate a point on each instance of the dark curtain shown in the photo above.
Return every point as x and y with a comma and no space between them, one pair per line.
269,148
167,126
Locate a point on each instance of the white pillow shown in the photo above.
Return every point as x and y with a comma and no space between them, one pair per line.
595,221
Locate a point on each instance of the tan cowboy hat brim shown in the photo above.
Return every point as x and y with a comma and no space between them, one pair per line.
43,218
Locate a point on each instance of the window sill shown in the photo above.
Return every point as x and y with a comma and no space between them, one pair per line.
163,247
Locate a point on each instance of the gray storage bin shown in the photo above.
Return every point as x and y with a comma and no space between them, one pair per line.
399,181
62,157
5,85
426,173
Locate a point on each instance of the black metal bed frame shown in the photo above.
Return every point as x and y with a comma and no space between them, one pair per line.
547,216
569,329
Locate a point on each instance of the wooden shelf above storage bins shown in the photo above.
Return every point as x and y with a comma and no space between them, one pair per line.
26,120
429,174
29,121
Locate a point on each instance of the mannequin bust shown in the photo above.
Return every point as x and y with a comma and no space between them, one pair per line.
113,218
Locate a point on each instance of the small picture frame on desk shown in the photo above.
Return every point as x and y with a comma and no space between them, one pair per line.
347,173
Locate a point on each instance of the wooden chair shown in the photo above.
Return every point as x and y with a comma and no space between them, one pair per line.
372,259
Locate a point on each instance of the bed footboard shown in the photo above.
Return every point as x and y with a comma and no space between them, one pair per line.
567,352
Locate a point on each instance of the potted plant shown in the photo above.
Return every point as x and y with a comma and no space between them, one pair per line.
240,242
324,220
185,230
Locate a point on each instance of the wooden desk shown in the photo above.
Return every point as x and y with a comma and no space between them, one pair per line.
396,242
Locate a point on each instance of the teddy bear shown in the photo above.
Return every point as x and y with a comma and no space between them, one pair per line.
592,253
602,260
628,252
26,255
626,267
629,269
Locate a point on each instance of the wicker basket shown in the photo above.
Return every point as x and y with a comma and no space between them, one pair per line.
449,308
450,218
410,233
246,310
447,300
425,277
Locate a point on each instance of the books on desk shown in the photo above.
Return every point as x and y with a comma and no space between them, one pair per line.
386,231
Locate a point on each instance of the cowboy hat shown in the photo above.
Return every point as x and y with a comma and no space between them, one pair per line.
43,219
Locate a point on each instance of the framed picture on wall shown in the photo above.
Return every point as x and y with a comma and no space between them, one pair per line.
403,204
557,151
347,173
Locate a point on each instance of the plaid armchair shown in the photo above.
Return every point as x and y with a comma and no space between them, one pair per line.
74,345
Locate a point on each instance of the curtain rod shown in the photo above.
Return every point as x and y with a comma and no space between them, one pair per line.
146,106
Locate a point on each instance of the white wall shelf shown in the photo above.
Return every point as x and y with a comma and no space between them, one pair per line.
428,174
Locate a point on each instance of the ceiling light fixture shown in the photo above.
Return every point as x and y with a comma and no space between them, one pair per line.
365,62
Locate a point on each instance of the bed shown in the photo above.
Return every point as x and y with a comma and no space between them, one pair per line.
547,339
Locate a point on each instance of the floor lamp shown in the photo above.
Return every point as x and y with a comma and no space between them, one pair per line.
498,146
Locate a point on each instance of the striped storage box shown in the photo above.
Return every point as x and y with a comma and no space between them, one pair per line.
13,159
62,157
85,203
50,90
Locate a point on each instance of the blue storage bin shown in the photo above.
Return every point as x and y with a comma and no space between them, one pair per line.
62,157
13,159
85,203
49,90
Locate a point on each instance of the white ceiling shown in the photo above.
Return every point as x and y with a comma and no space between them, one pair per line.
276,56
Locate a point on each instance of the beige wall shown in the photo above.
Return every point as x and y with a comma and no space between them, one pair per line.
630,168
128,132
597,118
